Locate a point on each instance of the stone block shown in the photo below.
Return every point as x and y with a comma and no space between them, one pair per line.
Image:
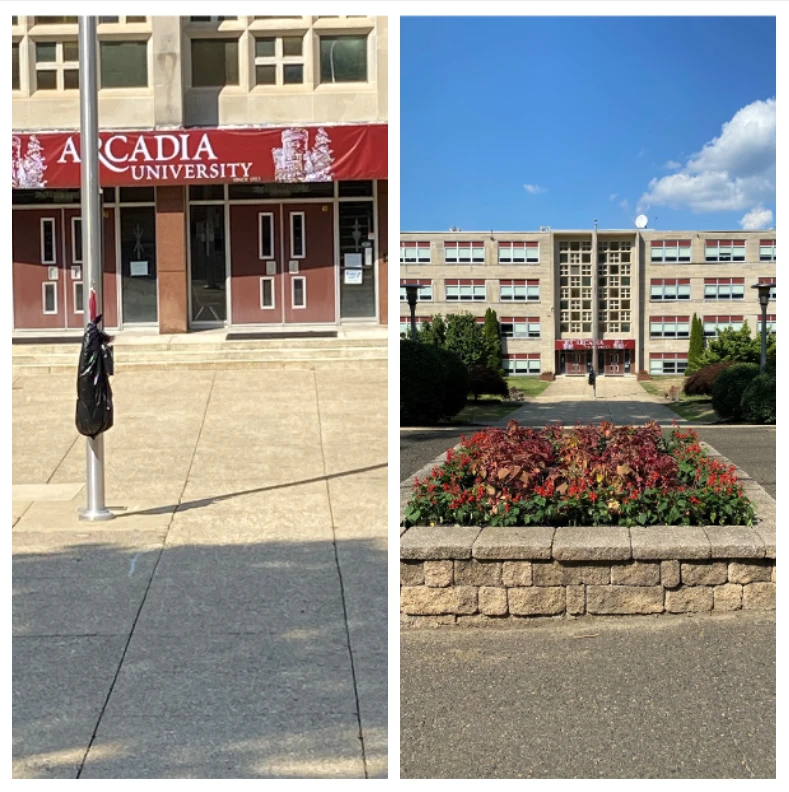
478,573
766,533
438,574
758,596
689,599
557,574
437,543
636,573
772,575
606,600
412,573
502,544
734,541
585,543
534,601
708,574
576,600
517,573
424,601
493,601
749,572
659,542
727,597
669,574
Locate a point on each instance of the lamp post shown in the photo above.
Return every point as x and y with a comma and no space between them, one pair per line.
411,292
764,298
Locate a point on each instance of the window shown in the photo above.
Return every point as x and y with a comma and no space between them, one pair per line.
522,364
76,240
299,291
669,289
15,67
405,324
49,298
669,327
714,324
519,252
465,290
766,250
724,250
414,252
279,60
298,239
724,288
113,20
57,66
671,251
79,298
265,235
464,252
772,291
62,20
267,300
425,294
124,64
520,327
211,19
668,362
343,59
214,62
48,242
519,290
770,324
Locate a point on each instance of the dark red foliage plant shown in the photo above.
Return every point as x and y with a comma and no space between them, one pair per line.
587,475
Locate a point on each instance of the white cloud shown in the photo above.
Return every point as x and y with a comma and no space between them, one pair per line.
534,188
757,218
624,204
612,196
734,171
641,153
672,165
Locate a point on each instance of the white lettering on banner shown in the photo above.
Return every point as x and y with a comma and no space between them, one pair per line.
114,154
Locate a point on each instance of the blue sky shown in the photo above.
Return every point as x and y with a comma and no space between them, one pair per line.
514,123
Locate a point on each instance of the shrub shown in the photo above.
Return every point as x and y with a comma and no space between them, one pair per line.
466,338
454,383
421,384
700,383
492,332
481,380
758,400
729,386
695,344
591,475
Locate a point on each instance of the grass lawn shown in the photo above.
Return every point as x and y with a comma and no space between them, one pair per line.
692,408
530,386
485,409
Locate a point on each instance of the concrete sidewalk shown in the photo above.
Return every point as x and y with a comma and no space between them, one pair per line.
620,400
231,622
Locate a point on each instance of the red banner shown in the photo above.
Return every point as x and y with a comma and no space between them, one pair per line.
586,343
205,156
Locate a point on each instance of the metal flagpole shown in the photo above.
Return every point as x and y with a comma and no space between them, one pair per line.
91,238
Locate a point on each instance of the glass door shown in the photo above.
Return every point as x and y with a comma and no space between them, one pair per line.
208,264
138,265
357,260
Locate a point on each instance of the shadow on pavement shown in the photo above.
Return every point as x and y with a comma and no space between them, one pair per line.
245,661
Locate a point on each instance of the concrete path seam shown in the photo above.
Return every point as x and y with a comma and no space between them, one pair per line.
147,587
339,575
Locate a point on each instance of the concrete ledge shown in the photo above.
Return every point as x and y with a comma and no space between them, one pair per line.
514,543
438,543
663,542
591,544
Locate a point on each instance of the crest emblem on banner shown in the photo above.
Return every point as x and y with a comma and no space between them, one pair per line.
297,162
27,173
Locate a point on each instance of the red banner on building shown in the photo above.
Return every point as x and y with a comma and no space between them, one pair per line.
586,343
205,156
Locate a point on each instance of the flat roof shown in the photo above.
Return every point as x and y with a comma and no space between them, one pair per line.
603,231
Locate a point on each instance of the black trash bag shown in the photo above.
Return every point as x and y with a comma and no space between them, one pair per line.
592,376
94,394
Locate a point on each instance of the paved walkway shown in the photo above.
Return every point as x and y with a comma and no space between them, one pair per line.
231,622
620,400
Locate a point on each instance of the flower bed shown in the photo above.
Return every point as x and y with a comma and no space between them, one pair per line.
589,475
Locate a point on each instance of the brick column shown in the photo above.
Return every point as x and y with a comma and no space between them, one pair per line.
171,259
383,251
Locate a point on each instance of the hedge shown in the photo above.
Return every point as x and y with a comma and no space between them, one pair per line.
702,382
433,383
729,387
758,400
485,380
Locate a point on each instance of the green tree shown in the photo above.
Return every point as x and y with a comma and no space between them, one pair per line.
466,339
433,332
737,346
695,345
492,332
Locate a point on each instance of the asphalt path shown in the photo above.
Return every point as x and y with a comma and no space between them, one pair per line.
632,697
750,447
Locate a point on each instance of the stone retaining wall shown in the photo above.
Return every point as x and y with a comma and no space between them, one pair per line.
456,572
